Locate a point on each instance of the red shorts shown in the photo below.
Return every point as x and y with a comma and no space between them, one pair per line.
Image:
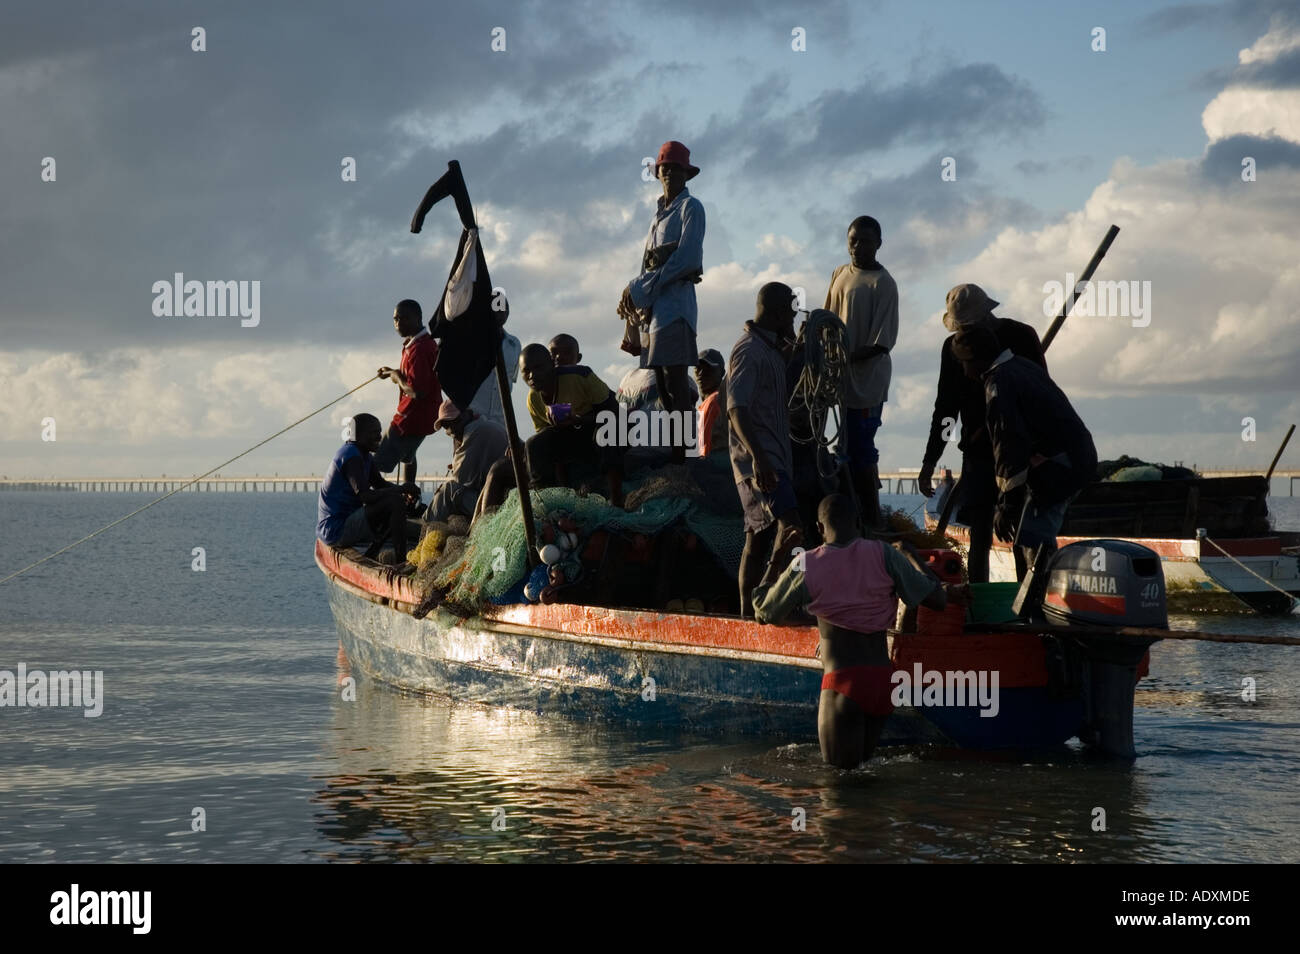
869,686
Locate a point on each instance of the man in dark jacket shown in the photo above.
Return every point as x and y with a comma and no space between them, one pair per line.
1043,454
960,396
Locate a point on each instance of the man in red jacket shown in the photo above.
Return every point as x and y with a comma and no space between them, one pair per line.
421,395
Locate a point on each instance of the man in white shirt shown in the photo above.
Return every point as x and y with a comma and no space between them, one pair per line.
487,399
865,297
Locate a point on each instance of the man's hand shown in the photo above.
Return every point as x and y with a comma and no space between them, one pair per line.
571,420
788,540
958,593
626,307
765,478
411,493
394,375
1007,518
923,481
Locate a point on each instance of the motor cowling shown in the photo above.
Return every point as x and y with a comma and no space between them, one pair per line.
1106,583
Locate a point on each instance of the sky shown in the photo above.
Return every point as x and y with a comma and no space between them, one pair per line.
226,164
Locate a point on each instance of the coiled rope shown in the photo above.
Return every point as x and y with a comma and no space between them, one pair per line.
32,566
819,392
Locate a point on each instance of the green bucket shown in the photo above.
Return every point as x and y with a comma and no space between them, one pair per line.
991,602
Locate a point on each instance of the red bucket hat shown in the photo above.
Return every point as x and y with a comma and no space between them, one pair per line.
673,151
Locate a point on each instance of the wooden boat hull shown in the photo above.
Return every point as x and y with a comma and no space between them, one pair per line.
711,674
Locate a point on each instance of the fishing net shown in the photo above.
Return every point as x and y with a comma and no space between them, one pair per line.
1126,468
491,562
900,526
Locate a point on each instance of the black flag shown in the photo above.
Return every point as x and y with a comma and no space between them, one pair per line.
465,322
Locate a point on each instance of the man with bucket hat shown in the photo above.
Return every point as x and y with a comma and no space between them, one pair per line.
959,396
663,294
478,442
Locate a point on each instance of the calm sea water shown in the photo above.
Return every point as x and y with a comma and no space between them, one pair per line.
222,694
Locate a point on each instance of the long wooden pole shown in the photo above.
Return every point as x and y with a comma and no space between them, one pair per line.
517,457
1097,256
452,183
1278,456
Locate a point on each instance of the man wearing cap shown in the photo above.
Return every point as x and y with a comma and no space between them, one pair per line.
420,392
663,294
864,295
960,396
710,376
1043,455
478,443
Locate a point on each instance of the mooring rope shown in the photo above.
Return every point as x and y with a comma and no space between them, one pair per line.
188,483
1294,601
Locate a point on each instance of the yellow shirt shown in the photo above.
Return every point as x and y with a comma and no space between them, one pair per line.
576,385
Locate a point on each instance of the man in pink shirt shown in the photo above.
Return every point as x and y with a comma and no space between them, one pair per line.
852,585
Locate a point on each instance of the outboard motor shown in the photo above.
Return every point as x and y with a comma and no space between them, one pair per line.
1106,583
1115,583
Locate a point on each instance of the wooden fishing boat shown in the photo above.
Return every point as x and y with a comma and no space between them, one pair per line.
1212,534
707,673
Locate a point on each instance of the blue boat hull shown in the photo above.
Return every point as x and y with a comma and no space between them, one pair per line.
590,677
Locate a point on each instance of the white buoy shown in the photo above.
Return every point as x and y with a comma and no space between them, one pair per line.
550,554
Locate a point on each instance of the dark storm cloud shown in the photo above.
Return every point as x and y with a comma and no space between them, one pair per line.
967,212
1036,167
959,103
750,12
1282,72
226,164
1221,163
1183,16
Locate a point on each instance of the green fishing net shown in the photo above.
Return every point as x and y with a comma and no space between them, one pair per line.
494,560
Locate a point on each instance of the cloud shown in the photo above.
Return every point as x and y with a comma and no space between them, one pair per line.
1222,261
1184,16
960,103
1039,167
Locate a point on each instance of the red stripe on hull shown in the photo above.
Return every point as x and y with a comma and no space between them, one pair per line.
1087,603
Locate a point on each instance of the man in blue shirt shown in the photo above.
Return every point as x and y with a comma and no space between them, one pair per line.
356,504
663,294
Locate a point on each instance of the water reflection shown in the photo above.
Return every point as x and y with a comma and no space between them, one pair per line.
420,779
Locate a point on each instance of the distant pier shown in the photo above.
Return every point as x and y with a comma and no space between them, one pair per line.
162,485
894,481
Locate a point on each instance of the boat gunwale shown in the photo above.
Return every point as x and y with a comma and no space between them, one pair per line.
583,616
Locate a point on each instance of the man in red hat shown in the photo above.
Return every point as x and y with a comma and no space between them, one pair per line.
664,292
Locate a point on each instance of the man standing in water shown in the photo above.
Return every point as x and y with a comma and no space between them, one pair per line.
865,297
664,291
852,586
